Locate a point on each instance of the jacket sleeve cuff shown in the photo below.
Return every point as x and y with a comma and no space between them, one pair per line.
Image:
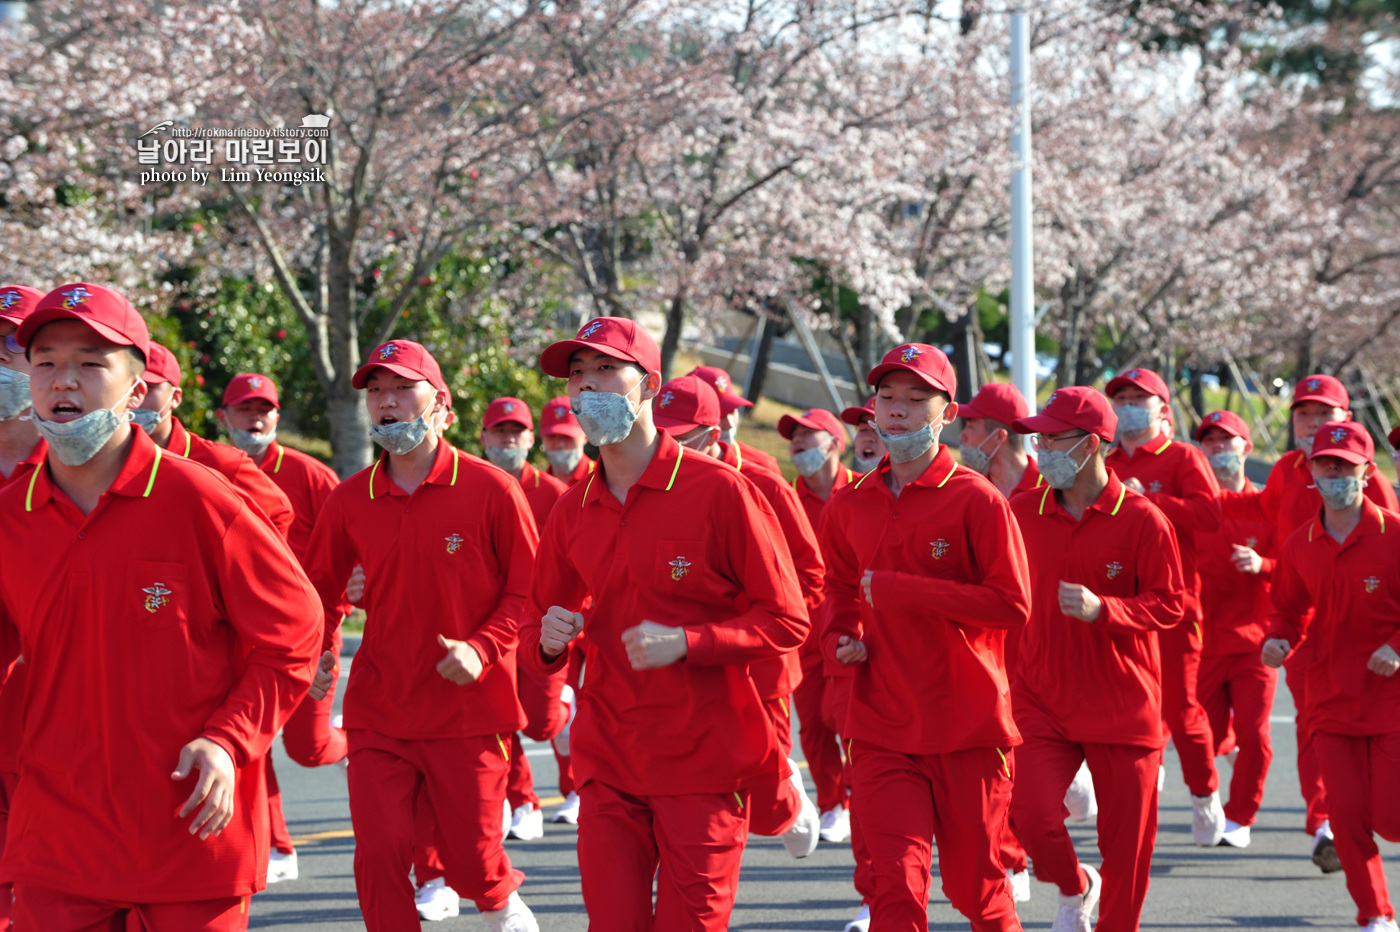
235,750
699,645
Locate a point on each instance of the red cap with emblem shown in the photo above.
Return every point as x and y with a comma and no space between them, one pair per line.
558,418
1228,421
1345,440
1394,437
620,337
17,302
1000,401
857,416
106,312
725,389
1323,388
1145,379
684,404
1076,407
250,386
816,419
927,362
161,366
508,410
402,357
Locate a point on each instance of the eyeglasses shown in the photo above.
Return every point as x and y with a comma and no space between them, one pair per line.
1042,442
12,344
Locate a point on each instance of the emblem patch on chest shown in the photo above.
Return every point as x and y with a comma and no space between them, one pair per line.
454,542
1154,486
1252,543
940,548
156,598
680,568
1372,584
1114,569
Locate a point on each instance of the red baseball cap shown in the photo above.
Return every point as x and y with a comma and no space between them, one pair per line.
684,404
161,366
1394,437
1000,401
1228,421
927,362
402,357
1323,388
508,410
558,418
725,389
17,302
109,314
855,416
816,419
247,387
1346,440
1077,407
616,336
1145,379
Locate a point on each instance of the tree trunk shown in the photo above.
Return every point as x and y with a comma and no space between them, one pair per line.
1198,393
759,364
1302,369
349,422
671,342
348,418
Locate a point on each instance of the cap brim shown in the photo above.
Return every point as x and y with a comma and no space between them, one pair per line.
555,358
788,421
730,402
674,427
1351,456
362,374
32,324
1201,431
1330,402
252,395
567,430
507,419
153,378
854,416
879,372
1042,424
1114,385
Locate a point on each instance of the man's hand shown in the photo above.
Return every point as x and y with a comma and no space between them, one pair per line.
849,651
650,645
355,587
1384,661
1274,652
214,789
558,627
1078,602
1135,485
865,587
462,665
1246,560
326,672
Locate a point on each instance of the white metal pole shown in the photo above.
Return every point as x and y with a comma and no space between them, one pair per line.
1022,256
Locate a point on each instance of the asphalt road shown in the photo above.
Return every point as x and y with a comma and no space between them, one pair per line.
1270,885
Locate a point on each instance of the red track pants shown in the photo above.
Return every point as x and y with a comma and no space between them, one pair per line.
910,802
1181,711
1309,771
821,741
8,782
38,909
773,807
308,736
1240,682
1363,781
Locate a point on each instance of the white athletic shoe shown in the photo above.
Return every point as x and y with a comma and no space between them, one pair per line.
1020,885
527,822
1382,924
1235,835
1080,800
1324,852
337,721
801,840
1234,755
561,740
567,812
281,867
836,825
1161,778
1076,912
437,901
515,916
505,819
861,923
1207,820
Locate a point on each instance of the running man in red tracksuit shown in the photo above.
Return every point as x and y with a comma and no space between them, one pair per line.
687,569
507,435
688,409
447,545
866,448
927,571
731,406
562,439
987,421
1337,584
21,449
188,652
1236,564
1290,501
1106,579
1177,479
